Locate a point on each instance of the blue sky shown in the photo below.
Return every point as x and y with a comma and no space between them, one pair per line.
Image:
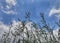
12,10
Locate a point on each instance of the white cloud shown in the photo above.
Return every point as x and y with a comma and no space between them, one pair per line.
54,11
9,12
11,2
8,7
3,28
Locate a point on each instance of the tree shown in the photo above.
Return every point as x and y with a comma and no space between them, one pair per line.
28,31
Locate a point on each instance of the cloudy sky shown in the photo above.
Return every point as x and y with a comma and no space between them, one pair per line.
13,9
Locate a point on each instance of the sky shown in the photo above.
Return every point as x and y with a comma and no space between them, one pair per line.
13,9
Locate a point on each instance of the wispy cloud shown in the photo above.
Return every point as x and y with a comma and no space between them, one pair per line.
9,12
7,9
55,12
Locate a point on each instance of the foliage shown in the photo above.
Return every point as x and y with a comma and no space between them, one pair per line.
37,34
